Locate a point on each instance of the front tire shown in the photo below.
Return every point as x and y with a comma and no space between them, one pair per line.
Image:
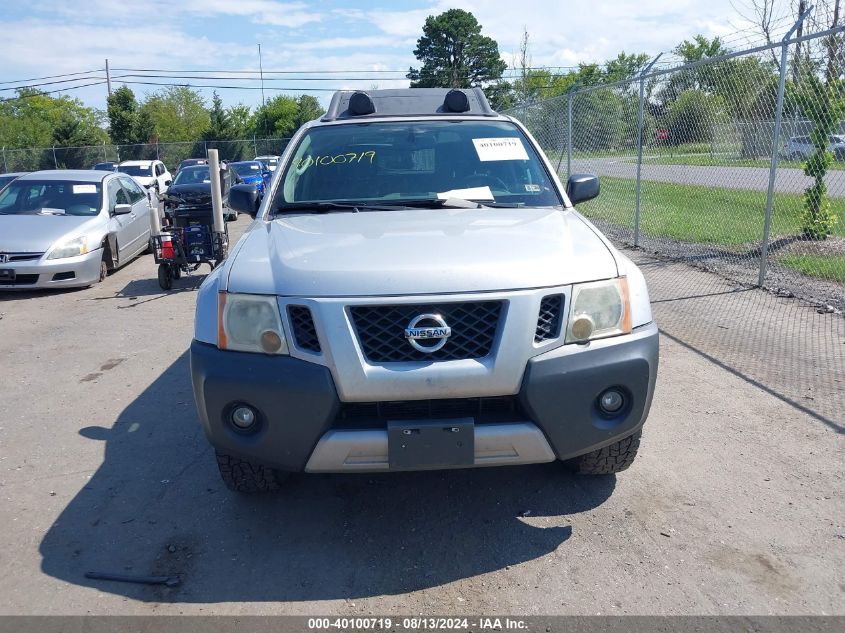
165,277
243,476
610,459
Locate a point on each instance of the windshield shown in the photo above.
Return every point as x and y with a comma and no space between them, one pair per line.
51,197
5,180
247,169
104,166
268,160
192,176
391,162
136,170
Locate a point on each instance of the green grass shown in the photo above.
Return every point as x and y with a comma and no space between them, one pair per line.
706,160
694,213
823,266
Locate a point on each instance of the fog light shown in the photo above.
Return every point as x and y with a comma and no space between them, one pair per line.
582,328
271,342
611,401
244,417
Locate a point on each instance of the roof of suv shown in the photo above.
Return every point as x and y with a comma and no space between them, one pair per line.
348,104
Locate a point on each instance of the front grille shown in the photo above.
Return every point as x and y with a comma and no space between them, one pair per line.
381,330
304,331
549,319
64,276
377,414
20,280
22,257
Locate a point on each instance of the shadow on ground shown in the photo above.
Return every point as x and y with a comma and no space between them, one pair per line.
157,506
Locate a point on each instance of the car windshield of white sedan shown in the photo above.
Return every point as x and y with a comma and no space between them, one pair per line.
51,197
388,163
136,170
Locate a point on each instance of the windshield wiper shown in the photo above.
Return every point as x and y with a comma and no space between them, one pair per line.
326,207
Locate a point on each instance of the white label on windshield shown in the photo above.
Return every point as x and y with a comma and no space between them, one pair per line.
473,193
85,189
254,167
507,148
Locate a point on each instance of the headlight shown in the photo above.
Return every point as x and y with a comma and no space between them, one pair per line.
599,309
250,323
70,248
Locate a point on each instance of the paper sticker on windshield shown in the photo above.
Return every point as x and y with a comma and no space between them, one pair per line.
507,148
473,193
85,189
532,188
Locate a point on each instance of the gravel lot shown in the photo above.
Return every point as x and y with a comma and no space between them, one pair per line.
734,506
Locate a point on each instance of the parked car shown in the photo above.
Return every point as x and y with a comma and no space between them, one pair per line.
152,174
5,179
270,161
416,294
106,166
801,147
191,162
192,189
253,172
65,228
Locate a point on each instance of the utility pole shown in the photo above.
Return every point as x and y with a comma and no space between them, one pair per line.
261,72
108,77
640,139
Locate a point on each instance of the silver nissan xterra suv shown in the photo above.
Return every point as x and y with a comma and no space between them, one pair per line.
418,292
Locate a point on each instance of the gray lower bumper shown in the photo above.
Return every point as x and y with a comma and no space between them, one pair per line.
366,450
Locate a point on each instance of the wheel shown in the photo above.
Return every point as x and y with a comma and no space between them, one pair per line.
104,269
610,459
241,475
177,272
165,277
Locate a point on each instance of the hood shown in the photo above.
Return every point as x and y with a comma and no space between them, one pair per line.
253,178
38,233
192,195
146,181
419,251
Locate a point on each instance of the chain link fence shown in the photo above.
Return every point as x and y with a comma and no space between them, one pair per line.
725,180
31,159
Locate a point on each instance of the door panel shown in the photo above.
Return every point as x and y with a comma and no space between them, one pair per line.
120,225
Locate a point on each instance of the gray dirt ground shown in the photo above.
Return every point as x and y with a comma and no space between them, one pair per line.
733,507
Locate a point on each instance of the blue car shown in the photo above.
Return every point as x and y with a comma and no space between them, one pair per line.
253,172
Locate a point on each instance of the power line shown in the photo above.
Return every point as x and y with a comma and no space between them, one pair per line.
41,93
51,83
82,72
187,85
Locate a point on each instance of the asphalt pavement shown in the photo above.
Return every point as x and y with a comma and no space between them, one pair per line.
788,179
733,507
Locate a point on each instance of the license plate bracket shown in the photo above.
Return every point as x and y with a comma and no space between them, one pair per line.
429,444
7,274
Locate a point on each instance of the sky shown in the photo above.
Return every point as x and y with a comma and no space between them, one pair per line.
359,39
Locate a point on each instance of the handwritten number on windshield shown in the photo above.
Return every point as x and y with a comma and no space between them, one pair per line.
339,159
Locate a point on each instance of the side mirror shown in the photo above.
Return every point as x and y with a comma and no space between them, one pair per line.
582,187
266,174
122,209
167,183
244,199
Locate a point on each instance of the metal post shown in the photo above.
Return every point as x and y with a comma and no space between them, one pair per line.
216,191
640,134
205,146
569,136
104,151
157,155
5,165
108,77
55,160
254,146
770,193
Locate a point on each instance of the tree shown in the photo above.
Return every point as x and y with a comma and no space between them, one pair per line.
177,113
277,117
455,54
240,120
308,109
122,112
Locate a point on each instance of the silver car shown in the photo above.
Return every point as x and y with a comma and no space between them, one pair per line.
418,292
66,228
801,147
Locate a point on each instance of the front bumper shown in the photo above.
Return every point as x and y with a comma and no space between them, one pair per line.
298,406
68,272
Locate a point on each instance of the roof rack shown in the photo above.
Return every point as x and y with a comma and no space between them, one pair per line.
357,104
